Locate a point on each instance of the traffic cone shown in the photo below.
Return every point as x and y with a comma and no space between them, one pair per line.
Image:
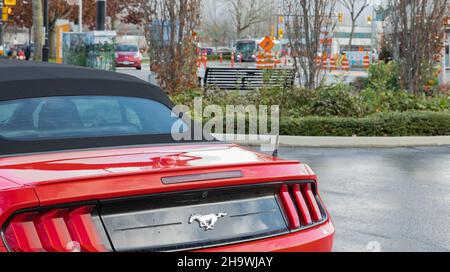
205,59
232,59
199,59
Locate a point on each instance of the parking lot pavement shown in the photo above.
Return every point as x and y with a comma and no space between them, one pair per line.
141,74
388,199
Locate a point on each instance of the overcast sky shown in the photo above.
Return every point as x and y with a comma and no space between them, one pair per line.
220,7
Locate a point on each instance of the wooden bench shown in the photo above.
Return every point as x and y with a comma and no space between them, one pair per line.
244,79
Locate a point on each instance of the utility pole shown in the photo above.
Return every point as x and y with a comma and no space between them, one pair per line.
80,14
1,25
101,15
46,49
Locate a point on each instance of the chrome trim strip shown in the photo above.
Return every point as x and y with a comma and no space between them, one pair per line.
202,177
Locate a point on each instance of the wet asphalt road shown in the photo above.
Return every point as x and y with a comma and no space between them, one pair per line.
387,199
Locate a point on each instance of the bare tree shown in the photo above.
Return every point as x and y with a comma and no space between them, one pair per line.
417,31
309,22
216,27
38,23
355,8
170,28
247,13
391,24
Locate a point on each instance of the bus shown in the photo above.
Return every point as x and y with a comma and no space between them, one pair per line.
248,49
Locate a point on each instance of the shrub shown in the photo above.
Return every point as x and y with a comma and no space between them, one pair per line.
217,57
383,77
292,101
385,101
381,124
337,100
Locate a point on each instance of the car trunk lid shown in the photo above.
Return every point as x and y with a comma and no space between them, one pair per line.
193,219
66,166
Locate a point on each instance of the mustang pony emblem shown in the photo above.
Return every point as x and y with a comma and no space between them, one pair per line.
206,221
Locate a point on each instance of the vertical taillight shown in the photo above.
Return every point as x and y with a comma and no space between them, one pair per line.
316,214
21,234
55,230
81,224
300,205
289,207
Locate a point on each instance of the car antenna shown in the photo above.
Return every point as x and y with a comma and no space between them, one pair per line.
277,146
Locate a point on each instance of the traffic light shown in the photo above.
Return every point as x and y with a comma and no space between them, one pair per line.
369,20
7,14
280,33
341,17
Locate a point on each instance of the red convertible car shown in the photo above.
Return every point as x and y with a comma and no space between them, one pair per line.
88,163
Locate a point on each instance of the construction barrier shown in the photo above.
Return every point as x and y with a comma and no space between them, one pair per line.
345,63
333,64
366,61
324,62
266,61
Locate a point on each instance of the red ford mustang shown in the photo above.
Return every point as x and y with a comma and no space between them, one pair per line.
88,163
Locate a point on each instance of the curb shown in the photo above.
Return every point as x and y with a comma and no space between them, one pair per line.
341,142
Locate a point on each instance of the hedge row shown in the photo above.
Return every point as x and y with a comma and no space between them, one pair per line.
217,57
381,124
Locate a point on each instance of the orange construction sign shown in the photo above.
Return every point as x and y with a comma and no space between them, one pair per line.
267,44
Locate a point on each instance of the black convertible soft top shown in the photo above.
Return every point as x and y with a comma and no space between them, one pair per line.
24,79
20,79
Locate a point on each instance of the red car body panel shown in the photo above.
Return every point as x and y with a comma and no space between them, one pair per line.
317,239
55,178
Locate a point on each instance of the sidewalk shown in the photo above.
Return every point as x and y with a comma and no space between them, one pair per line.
346,142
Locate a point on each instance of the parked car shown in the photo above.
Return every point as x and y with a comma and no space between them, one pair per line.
224,50
128,55
209,50
88,162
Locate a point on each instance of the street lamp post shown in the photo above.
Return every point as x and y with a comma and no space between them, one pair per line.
45,48
373,35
